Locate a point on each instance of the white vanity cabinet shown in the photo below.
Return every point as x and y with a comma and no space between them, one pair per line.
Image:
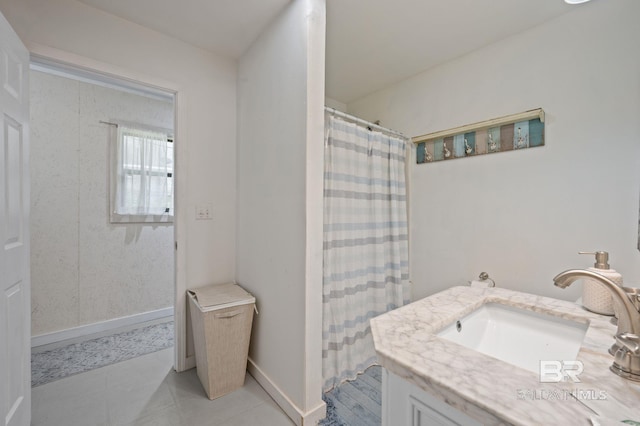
431,380
404,404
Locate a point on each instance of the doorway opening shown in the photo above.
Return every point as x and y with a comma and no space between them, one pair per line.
99,267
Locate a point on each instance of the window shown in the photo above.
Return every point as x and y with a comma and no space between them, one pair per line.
142,175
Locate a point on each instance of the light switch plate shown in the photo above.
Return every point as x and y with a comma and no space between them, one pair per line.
204,212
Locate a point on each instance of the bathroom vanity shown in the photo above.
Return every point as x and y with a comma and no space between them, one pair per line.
430,378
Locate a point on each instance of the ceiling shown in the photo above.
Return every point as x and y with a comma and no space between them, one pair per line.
226,27
370,43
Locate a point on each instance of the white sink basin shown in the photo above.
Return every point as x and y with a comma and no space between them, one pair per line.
517,336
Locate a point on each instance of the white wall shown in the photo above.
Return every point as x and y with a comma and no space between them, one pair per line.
522,216
205,125
279,225
332,103
83,268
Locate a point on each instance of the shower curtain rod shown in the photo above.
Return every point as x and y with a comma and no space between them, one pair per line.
366,123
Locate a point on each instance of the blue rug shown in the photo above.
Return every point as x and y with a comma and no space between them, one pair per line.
332,418
356,402
77,358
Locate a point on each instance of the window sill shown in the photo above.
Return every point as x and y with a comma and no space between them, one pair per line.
133,218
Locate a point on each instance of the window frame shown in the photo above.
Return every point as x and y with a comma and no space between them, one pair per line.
117,218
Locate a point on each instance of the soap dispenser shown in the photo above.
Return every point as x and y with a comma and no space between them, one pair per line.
596,297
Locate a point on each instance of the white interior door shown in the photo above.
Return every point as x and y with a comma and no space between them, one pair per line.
15,311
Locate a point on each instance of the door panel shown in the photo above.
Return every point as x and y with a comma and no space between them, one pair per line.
14,300
15,291
13,183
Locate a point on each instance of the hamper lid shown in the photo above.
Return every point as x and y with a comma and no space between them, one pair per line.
228,294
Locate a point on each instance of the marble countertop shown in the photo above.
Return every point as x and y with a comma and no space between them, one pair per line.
493,391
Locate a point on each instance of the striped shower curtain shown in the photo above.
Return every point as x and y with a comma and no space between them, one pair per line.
366,268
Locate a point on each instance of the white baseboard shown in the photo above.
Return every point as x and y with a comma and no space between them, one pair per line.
99,327
314,416
300,418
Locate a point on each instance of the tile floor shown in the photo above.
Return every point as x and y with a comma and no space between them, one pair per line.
146,391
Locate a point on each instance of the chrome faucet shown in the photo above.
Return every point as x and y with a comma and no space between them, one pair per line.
626,350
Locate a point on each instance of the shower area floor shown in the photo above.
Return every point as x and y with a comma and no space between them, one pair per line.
356,402
48,365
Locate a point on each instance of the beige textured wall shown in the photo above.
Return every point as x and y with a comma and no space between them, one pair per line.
84,269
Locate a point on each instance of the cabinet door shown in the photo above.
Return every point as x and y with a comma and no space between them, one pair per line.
404,404
423,415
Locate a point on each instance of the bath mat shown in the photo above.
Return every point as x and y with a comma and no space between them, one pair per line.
355,402
332,418
77,358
